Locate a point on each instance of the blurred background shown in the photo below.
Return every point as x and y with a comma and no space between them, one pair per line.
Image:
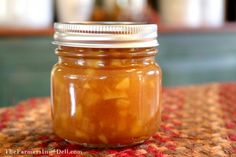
197,39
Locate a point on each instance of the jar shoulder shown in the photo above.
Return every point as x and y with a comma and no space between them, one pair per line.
59,69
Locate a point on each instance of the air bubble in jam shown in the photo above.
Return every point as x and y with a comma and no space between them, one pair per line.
114,107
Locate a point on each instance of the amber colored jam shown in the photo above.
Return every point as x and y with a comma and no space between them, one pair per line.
106,97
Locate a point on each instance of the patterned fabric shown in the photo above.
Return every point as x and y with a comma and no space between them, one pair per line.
197,121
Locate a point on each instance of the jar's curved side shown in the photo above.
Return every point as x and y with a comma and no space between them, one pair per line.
107,107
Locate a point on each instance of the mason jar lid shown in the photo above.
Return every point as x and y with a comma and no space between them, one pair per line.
106,35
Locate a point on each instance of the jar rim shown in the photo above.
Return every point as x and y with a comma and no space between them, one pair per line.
106,34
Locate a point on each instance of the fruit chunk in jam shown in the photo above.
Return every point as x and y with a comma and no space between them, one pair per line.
107,100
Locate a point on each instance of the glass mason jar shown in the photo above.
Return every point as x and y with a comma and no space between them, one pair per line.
105,88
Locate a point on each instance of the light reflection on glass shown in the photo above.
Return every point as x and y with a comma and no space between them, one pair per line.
72,98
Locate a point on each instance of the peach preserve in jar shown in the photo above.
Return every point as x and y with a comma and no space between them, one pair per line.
105,88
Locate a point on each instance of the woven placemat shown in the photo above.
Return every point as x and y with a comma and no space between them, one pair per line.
197,121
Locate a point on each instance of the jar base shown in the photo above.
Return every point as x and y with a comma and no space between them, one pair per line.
102,146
